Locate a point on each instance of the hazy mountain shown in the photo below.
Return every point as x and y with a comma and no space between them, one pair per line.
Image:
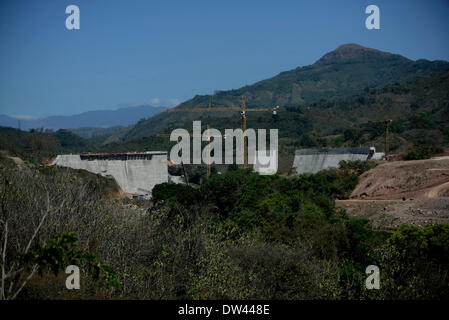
91,132
96,119
7,121
348,70
100,136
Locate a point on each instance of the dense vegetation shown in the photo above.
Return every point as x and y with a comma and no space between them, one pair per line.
422,152
237,236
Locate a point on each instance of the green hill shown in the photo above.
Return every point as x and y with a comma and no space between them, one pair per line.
340,73
35,144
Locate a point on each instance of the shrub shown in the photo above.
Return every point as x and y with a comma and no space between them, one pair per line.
422,152
414,263
357,166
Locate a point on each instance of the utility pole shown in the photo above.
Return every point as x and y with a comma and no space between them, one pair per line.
387,141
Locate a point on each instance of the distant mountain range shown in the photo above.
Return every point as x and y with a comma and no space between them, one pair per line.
346,71
92,119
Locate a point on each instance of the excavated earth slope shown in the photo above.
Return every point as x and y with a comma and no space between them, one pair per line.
402,192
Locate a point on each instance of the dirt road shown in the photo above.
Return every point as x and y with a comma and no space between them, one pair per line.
435,192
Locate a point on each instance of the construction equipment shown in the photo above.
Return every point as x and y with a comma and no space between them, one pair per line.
242,111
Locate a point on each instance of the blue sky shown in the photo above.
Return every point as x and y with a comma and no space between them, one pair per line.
163,52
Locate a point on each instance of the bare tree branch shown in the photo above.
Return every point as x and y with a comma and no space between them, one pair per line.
33,271
39,226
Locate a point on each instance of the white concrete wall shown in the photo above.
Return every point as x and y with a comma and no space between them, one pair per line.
133,176
378,156
317,162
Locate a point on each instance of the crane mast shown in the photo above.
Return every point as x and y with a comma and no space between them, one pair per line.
243,119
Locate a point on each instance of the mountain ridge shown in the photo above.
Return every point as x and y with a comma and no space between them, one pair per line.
124,116
345,71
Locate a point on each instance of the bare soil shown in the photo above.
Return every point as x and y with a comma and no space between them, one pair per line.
402,192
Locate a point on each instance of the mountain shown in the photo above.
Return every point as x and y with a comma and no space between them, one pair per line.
100,136
347,70
7,121
419,108
94,119
92,132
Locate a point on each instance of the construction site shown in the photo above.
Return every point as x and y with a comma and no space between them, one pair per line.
402,192
394,193
138,172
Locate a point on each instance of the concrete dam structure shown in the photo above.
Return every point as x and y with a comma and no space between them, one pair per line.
314,160
135,172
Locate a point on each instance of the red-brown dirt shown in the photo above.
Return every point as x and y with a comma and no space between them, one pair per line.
402,192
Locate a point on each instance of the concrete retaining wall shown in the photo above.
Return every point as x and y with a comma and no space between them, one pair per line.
315,160
135,176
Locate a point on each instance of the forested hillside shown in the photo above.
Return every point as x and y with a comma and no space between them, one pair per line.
348,70
36,144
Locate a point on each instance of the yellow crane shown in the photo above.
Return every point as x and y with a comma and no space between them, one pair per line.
242,111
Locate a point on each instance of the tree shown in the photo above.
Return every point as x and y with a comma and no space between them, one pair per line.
35,212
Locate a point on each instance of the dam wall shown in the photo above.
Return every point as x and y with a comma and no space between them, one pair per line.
135,173
315,160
